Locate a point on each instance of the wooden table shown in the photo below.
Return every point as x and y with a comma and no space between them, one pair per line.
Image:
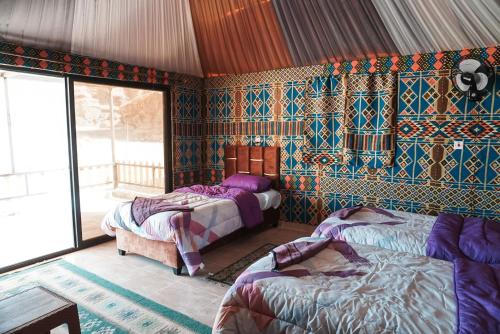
37,310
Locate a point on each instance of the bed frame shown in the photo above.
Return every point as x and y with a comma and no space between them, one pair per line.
253,160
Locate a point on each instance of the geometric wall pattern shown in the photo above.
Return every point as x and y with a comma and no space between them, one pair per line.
428,175
187,133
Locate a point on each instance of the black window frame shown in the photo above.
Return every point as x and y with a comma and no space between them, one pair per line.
167,144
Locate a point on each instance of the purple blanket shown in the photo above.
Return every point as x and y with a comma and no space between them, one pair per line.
454,236
296,252
477,288
142,208
248,204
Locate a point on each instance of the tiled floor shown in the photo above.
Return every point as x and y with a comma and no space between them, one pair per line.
196,296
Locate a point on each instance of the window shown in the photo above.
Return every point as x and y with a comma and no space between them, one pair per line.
35,192
120,148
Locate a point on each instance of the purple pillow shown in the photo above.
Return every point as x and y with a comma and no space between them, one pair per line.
252,183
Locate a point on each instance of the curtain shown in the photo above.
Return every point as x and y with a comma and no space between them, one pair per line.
351,120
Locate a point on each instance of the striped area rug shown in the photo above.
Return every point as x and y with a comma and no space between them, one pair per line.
103,306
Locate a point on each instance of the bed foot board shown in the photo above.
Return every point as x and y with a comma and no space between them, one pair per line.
163,251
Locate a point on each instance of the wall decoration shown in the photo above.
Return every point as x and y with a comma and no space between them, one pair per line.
350,119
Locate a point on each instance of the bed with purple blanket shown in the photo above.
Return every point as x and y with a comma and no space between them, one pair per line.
322,285
176,228
415,233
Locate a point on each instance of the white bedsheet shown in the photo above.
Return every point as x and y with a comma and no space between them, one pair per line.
269,199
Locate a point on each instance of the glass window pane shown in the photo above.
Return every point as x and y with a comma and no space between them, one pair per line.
120,148
35,196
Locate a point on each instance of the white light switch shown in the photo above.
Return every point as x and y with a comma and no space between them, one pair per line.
458,145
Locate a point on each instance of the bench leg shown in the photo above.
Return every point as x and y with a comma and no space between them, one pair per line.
121,252
74,327
74,322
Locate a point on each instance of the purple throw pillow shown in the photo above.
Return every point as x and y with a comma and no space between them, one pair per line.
252,183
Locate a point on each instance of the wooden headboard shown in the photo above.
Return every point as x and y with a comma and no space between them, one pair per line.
254,160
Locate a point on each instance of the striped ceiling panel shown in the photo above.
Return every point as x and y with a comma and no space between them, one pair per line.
325,31
418,26
238,36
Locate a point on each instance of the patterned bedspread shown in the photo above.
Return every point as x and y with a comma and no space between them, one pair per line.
364,289
212,218
397,230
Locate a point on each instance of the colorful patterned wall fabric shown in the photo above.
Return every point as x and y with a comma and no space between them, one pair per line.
350,119
187,123
63,62
324,120
369,134
428,176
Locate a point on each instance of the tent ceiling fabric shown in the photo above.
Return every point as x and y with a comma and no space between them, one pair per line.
37,23
238,36
153,33
218,37
436,25
325,31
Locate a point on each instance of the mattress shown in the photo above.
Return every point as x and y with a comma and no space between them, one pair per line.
269,199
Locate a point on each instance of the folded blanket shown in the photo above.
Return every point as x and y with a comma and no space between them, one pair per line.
142,208
248,204
296,252
454,236
477,288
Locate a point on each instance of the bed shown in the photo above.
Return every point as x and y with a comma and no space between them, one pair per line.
177,239
395,230
354,288
416,233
